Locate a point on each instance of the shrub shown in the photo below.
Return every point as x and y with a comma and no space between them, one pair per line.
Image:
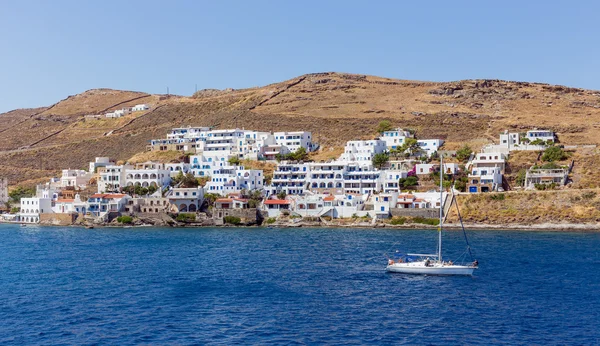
497,197
281,195
355,216
398,220
588,195
186,217
326,218
232,220
553,153
379,160
14,210
125,219
271,220
464,153
384,125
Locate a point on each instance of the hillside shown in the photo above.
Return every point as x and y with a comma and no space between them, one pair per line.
336,107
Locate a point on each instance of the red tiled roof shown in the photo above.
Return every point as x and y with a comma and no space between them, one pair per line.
329,198
223,200
276,201
65,200
241,200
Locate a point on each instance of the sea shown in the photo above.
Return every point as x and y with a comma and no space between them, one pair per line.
294,286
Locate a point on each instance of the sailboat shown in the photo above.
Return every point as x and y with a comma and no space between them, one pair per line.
432,264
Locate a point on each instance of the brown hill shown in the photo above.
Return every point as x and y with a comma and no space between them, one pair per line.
36,143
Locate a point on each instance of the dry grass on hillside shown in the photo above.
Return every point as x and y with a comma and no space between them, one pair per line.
569,206
336,107
157,156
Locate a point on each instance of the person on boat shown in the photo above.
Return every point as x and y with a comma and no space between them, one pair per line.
427,262
450,263
390,261
475,263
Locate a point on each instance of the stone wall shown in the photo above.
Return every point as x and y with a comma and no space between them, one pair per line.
56,219
431,213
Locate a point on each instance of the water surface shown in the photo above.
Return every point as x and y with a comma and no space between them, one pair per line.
292,286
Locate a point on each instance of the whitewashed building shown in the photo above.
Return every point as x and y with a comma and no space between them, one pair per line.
486,172
100,162
395,138
112,178
140,107
147,174
185,200
363,152
430,146
75,178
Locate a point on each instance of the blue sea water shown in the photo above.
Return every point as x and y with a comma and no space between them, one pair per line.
292,286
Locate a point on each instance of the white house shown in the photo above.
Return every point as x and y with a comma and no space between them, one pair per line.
100,162
544,135
75,178
485,172
274,207
147,174
395,138
102,203
185,200
112,178
140,107
362,151
295,140
390,180
175,168
31,208
430,146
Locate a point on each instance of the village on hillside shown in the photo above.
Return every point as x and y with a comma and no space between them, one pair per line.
238,176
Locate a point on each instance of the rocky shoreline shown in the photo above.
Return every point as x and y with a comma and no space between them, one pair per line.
161,222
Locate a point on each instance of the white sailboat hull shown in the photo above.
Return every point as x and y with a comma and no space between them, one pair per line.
420,268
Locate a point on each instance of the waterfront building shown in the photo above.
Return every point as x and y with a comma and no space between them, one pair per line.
100,204
184,200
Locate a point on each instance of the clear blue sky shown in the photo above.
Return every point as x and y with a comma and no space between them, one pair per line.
52,49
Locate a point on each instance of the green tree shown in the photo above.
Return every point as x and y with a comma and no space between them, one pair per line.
410,147
380,160
21,192
464,153
189,181
408,181
152,189
553,153
384,125
234,161
210,198
281,195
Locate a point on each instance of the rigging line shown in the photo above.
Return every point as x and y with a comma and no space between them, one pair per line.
461,221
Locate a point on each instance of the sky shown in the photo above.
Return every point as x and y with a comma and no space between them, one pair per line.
52,49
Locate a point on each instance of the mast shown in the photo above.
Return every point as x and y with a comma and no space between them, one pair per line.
441,211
